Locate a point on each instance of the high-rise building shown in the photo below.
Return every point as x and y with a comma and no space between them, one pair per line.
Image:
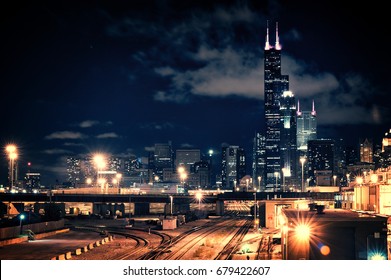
32,181
366,151
187,158
320,159
233,166
288,147
306,127
274,86
259,161
163,158
74,170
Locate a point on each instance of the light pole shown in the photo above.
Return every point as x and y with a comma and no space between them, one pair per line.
247,181
171,200
20,224
302,161
100,163
359,181
276,175
259,182
199,197
12,154
335,180
255,210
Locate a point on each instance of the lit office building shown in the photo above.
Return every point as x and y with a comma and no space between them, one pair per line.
288,138
259,161
233,166
274,85
366,151
320,160
306,127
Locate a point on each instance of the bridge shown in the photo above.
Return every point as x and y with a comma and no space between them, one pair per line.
141,202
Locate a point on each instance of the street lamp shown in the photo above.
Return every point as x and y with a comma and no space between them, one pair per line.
335,180
276,175
247,181
259,182
100,164
255,210
359,181
302,161
171,200
199,197
12,154
21,217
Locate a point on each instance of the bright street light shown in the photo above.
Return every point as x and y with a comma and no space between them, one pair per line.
12,154
259,182
21,217
199,197
335,180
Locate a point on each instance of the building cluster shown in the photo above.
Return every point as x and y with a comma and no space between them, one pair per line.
287,155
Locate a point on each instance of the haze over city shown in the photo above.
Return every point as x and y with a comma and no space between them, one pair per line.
80,77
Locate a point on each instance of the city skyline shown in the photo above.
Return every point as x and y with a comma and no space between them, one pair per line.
86,77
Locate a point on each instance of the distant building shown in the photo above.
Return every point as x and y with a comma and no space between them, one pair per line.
259,164
162,158
187,158
366,151
233,163
288,147
320,158
306,127
32,181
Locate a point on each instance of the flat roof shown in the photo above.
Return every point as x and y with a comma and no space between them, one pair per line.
332,215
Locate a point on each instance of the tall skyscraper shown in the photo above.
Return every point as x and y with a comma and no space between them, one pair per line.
306,127
275,85
233,166
288,138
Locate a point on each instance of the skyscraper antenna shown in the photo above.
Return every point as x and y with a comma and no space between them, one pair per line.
267,45
278,46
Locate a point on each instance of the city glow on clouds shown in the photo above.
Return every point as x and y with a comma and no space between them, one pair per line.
65,135
108,135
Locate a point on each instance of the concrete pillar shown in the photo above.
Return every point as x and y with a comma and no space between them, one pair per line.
219,208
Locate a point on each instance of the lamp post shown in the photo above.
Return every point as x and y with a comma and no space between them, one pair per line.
247,181
171,200
276,175
335,180
302,161
12,154
100,164
21,218
199,197
255,210
259,182
359,181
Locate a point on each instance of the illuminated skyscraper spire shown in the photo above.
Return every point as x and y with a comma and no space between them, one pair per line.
313,112
298,108
267,45
278,46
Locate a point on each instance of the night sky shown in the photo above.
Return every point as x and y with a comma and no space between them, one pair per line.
119,76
